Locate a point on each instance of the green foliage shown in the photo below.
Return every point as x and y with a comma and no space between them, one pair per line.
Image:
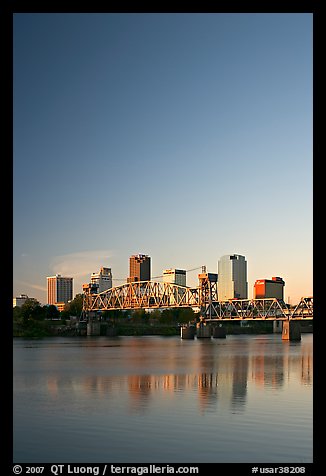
51,312
31,309
177,315
112,315
74,308
33,320
155,315
139,315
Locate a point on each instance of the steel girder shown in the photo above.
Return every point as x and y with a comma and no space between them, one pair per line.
142,295
269,308
304,308
150,294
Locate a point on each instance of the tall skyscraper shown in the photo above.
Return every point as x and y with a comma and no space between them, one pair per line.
175,276
103,279
139,268
59,290
232,277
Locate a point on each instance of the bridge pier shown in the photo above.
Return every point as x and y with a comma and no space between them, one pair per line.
203,331
93,328
219,332
277,327
187,332
291,331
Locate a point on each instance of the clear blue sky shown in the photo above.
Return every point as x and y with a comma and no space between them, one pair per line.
182,136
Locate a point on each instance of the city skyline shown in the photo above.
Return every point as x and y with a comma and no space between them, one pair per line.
166,275
185,136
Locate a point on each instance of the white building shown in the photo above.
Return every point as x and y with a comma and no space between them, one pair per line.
174,276
103,279
19,300
232,277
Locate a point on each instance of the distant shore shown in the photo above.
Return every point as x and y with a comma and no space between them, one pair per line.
59,328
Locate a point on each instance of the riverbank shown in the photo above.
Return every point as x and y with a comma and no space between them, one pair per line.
63,328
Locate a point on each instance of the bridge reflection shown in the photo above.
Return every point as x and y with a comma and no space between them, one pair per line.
216,380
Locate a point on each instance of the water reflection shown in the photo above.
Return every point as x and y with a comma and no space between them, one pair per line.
218,375
239,381
153,399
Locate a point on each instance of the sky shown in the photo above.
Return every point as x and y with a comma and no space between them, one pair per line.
183,136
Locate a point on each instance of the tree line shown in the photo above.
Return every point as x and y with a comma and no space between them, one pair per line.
33,319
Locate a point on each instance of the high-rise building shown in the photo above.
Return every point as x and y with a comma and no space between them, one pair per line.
102,280
20,300
175,276
59,290
269,288
232,277
139,268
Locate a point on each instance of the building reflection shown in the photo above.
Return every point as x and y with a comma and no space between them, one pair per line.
218,378
306,364
239,381
268,371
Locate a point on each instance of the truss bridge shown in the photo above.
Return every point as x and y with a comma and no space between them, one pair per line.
158,295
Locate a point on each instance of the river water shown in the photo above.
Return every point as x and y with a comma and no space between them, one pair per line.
242,399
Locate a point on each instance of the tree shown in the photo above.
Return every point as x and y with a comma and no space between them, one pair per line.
155,315
112,315
51,312
186,314
139,315
74,307
31,309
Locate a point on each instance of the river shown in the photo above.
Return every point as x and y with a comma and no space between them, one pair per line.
243,399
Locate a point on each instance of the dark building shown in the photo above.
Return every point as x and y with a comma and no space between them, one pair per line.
269,288
139,268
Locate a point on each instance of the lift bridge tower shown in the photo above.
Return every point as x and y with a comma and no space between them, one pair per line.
208,293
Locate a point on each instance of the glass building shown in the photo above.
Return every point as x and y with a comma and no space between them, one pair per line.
139,268
232,277
59,289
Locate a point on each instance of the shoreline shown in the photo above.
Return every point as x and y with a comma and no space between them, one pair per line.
138,329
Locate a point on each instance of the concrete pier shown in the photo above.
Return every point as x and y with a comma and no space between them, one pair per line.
291,331
187,332
203,332
93,328
219,332
277,327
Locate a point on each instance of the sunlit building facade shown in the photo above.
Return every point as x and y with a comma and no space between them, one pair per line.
139,268
175,276
102,280
59,290
232,277
269,288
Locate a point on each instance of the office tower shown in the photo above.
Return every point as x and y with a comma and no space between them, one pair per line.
59,290
175,276
139,268
102,280
232,277
20,300
269,288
